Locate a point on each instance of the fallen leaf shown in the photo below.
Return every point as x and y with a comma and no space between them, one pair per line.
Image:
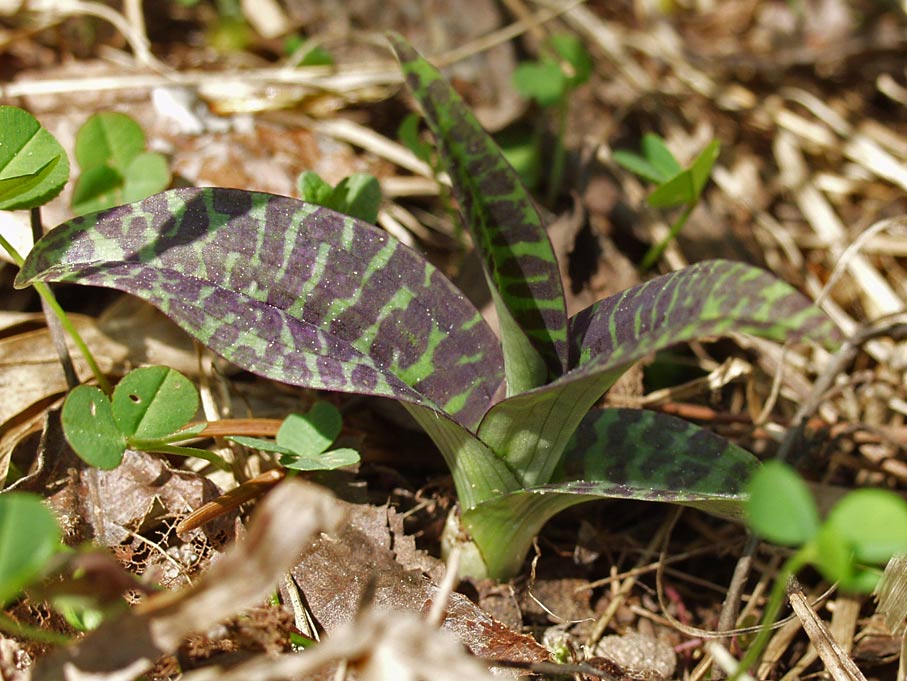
336,574
126,646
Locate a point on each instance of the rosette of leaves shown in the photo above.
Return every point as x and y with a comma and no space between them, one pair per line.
305,295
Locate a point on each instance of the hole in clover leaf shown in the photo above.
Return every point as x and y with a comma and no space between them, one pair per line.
135,398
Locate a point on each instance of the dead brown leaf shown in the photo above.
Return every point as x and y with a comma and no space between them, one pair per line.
126,646
336,574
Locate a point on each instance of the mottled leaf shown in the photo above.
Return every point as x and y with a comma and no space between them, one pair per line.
710,298
713,298
616,454
290,291
506,227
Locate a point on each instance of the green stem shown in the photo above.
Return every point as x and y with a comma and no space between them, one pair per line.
163,448
26,631
779,590
654,253
51,301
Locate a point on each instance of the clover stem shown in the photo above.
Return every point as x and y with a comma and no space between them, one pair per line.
163,448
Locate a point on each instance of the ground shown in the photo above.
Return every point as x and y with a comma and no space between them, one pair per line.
807,100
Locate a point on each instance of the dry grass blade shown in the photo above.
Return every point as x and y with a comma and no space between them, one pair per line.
126,646
837,662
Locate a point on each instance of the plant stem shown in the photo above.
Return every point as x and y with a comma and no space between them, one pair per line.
654,253
49,298
163,448
26,631
53,323
791,566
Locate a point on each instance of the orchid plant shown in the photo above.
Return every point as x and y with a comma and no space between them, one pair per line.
304,295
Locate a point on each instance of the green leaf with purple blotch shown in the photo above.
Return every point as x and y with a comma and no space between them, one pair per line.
517,256
618,454
290,291
712,298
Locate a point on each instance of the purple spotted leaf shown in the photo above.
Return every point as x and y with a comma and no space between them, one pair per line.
618,454
517,256
530,431
290,291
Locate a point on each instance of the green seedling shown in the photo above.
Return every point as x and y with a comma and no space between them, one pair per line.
149,411
675,185
116,168
564,66
358,195
862,531
33,170
304,440
302,52
302,294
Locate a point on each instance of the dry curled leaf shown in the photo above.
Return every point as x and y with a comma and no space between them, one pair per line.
126,646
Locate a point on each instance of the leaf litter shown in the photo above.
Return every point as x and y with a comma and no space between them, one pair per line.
714,80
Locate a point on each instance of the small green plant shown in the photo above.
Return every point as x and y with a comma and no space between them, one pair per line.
675,185
304,440
564,66
358,195
149,410
308,296
116,168
863,530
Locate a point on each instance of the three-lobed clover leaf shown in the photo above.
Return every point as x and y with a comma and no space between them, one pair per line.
358,195
547,81
304,440
864,529
150,406
33,166
110,150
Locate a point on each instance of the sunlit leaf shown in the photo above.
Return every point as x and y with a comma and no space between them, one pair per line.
519,261
33,165
90,428
781,508
151,402
290,291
